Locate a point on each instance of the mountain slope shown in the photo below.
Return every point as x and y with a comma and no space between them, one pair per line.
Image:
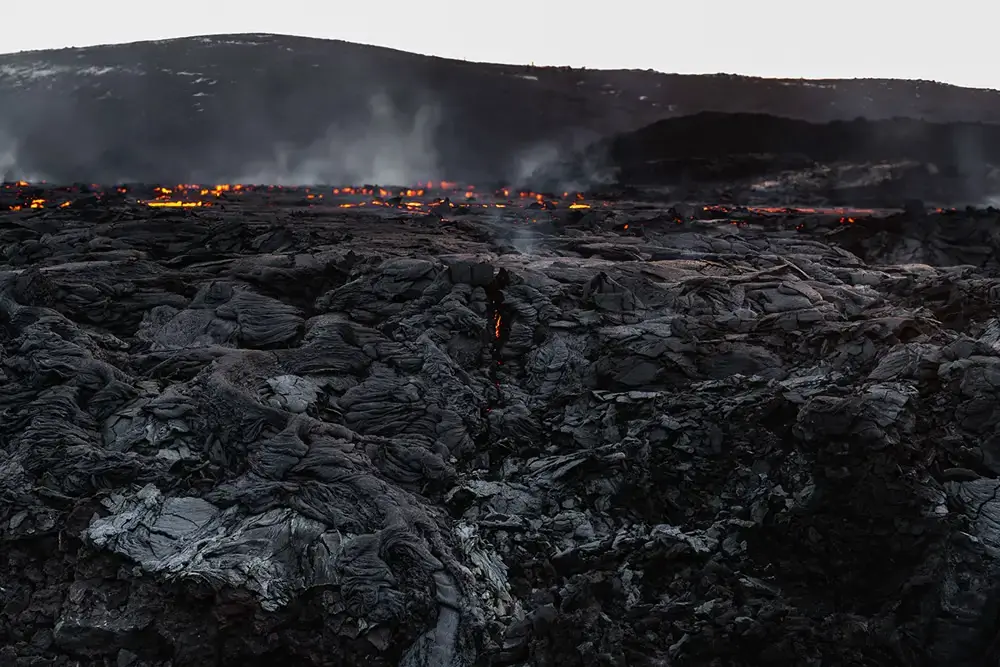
267,107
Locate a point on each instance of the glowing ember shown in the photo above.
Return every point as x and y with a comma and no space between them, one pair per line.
497,321
175,204
424,197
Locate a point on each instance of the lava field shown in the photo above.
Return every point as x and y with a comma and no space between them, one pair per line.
441,425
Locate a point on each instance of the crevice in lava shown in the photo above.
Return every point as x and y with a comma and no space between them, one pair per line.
499,320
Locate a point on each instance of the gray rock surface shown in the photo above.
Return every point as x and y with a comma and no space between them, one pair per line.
401,441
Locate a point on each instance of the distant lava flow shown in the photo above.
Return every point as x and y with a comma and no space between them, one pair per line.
422,198
435,199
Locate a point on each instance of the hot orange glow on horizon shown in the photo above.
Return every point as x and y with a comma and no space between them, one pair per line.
424,197
175,204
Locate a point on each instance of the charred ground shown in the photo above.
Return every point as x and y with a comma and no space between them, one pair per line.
437,429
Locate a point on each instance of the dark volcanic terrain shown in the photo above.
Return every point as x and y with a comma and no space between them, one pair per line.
267,108
267,426
735,404
748,157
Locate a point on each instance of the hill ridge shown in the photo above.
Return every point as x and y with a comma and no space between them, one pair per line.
224,106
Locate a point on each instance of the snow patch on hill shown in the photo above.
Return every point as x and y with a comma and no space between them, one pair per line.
19,74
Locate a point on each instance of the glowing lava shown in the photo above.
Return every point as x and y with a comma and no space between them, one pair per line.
175,204
427,197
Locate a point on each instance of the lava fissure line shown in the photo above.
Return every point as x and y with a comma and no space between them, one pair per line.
498,331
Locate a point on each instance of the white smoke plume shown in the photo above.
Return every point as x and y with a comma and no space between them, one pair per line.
576,167
8,157
525,240
11,168
536,161
389,148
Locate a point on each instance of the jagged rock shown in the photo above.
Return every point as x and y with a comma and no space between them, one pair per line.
706,445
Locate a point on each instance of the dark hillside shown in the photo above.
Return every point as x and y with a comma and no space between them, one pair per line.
283,108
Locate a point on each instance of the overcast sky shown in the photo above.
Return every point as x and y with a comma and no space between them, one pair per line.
951,41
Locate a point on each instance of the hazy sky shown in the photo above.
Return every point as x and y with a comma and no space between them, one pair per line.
944,41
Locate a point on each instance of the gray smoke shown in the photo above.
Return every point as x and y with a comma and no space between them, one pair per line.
574,166
539,160
11,168
992,187
8,157
525,239
388,147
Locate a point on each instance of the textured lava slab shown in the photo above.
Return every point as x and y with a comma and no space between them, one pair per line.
618,436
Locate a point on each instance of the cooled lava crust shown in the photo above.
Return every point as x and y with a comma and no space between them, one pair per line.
425,426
